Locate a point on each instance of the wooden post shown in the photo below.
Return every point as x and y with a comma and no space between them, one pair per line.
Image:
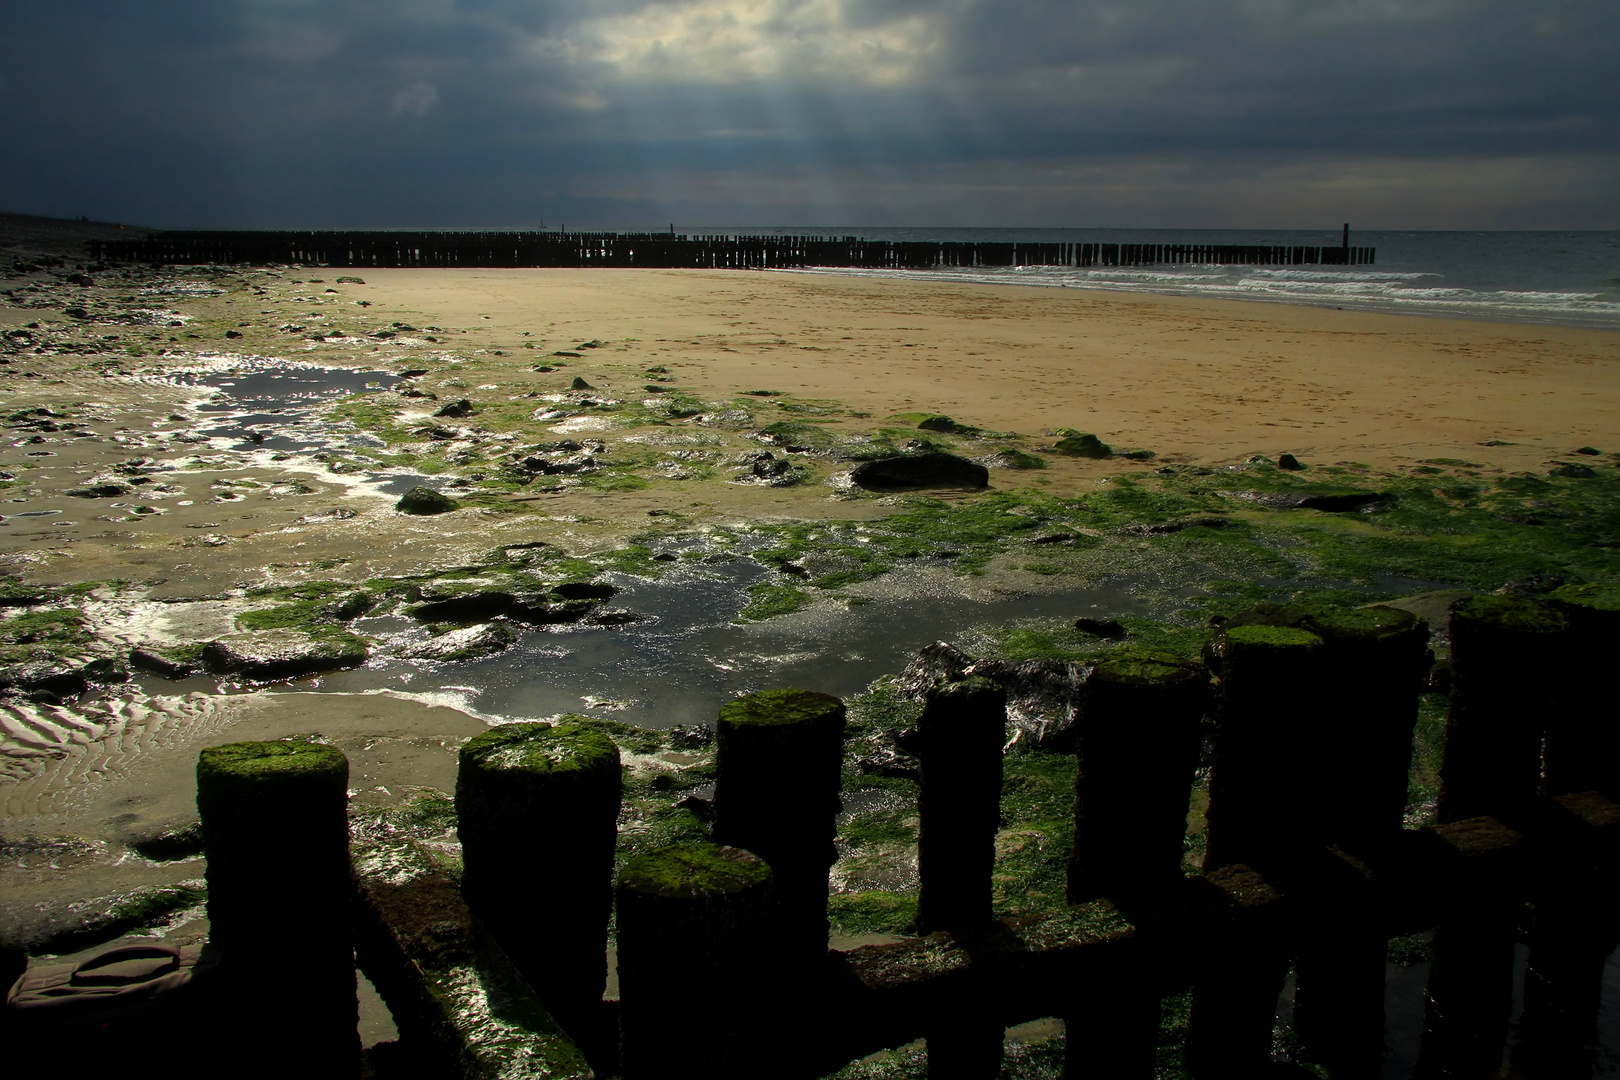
1583,733
1139,739
779,760
275,832
693,929
1502,651
1262,797
537,811
962,730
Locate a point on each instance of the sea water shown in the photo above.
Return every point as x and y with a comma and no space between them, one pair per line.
1558,278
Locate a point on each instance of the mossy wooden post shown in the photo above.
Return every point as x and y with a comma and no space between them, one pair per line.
275,832
779,759
1262,792
1382,653
1504,650
1238,976
1374,662
1138,749
1583,732
694,933
537,811
962,730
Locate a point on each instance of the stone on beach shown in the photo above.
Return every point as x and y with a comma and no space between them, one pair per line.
932,469
425,501
281,653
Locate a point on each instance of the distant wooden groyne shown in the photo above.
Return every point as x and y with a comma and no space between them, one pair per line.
557,249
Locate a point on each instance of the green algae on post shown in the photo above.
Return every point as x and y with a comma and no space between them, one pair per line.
276,836
962,729
1583,733
1261,798
779,759
694,924
1138,749
537,808
1505,653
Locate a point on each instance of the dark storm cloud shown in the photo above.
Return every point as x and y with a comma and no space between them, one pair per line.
499,112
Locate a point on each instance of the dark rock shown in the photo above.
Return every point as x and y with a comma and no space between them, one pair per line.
665,556
933,469
100,491
1573,470
614,618
579,383
413,373
233,333
468,607
469,643
585,590
80,279
1289,462
282,653
350,280
1341,502
1139,455
51,676
456,409
691,736
540,611
702,809
424,500
76,312
160,665
1589,451
1088,446
1111,629
170,845
106,671
946,425
1167,527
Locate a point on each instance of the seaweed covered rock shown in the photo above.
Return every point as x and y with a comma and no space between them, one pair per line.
931,469
282,653
424,501
456,409
1083,445
467,643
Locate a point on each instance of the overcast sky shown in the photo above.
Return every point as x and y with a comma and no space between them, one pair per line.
635,113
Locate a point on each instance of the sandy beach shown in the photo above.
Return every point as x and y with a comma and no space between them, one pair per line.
1193,379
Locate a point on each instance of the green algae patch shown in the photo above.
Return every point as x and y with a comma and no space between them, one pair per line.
1509,613
767,601
694,871
292,760
1596,597
1083,445
873,912
1271,637
781,708
1136,666
541,749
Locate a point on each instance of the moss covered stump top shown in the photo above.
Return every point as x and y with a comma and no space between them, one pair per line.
782,708
1363,624
1505,615
257,765
694,871
1592,597
540,751
1259,637
1135,666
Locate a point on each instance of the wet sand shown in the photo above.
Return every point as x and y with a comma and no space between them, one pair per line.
1196,380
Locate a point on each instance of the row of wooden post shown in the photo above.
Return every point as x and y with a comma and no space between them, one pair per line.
722,947
517,249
